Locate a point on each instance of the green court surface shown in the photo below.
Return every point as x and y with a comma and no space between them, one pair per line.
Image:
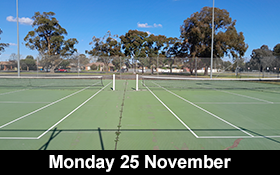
152,118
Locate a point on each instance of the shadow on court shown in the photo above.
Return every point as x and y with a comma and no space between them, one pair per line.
55,132
253,132
53,135
148,130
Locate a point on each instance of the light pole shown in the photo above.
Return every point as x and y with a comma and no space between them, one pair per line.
18,41
212,44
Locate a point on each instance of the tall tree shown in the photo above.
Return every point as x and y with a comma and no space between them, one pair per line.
28,63
105,48
2,45
262,58
155,46
48,38
133,44
276,50
79,60
196,34
172,50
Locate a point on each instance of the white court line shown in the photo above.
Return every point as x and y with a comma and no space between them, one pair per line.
44,107
72,111
245,96
205,111
172,112
237,137
237,103
5,93
20,102
264,90
18,138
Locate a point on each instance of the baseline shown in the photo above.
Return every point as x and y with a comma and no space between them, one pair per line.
237,137
22,102
18,138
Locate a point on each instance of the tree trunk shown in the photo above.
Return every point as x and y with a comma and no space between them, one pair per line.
206,71
191,71
106,67
171,67
52,69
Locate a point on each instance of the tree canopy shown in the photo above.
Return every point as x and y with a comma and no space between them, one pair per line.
263,58
133,43
276,50
105,48
28,63
2,45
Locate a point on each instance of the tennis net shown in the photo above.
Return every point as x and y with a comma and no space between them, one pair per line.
215,83
54,81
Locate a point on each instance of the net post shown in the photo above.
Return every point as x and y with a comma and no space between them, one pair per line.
136,82
114,80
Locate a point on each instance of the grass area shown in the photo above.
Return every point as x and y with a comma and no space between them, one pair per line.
152,118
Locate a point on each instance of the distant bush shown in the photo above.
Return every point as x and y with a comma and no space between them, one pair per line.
93,67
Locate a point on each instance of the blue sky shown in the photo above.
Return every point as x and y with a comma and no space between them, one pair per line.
83,19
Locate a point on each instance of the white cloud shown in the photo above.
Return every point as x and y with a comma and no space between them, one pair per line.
22,20
157,25
11,19
12,44
145,25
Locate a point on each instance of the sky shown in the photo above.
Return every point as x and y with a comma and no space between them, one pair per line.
257,19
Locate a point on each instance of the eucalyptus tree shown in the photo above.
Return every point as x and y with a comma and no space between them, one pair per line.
48,38
262,58
106,48
196,34
133,45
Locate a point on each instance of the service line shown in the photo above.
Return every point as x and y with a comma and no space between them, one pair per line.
72,111
205,110
44,107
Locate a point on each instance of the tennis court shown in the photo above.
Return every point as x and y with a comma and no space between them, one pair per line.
164,114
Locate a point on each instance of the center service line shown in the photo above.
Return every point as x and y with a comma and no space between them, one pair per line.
73,111
172,112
